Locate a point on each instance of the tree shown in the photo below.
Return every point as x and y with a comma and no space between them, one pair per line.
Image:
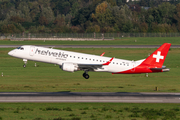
112,2
33,29
155,3
74,8
59,21
103,15
144,3
66,6
5,6
125,19
44,3
119,2
127,27
17,19
60,6
12,28
154,27
101,9
91,29
136,8
177,16
153,14
34,11
43,20
75,29
83,15
47,13
144,27
167,11
25,11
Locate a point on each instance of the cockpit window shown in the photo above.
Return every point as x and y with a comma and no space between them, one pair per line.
20,48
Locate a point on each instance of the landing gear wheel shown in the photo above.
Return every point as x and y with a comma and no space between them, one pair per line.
25,62
24,65
85,75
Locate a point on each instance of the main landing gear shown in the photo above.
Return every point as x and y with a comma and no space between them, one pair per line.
25,62
85,75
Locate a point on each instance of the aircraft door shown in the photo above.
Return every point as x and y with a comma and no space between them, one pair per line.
133,66
32,51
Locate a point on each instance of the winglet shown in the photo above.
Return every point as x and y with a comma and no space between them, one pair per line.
108,62
102,54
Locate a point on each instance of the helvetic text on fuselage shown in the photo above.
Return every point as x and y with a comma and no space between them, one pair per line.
54,54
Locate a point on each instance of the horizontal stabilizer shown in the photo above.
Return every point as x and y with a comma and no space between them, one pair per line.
160,69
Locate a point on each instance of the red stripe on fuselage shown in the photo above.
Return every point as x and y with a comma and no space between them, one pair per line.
138,70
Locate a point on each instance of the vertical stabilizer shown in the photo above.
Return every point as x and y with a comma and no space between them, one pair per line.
157,58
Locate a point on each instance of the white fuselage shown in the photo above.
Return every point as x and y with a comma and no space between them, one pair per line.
54,56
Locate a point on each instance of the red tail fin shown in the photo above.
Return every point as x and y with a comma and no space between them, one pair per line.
157,58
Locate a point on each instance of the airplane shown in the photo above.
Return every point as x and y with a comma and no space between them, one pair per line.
74,61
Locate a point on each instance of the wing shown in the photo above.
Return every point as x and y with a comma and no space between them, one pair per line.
102,54
91,67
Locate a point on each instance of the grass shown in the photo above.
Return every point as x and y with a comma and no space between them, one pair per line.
50,78
117,41
95,111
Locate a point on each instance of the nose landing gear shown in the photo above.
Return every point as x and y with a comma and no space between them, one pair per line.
25,62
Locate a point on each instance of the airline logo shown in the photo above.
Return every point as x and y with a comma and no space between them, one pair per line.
158,56
50,53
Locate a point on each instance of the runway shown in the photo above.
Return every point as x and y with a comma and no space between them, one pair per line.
109,97
94,46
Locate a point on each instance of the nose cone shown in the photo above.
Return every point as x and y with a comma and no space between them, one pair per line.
11,53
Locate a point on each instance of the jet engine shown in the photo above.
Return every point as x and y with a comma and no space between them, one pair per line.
69,67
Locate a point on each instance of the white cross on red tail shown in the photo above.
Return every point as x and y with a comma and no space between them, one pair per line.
158,56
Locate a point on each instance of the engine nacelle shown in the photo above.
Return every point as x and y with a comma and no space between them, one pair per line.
68,67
